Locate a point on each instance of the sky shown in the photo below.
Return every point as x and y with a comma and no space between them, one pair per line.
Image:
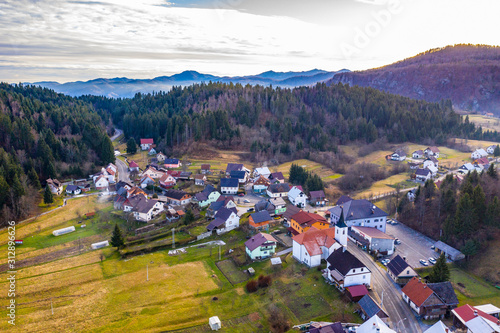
61,40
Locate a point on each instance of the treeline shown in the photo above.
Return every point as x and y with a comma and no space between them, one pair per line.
44,135
275,120
308,180
460,214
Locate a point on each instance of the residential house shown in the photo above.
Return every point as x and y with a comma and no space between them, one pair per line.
160,157
317,198
482,325
343,199
146,144
265,205
373,239
200,179
297,197
135,191
185,175
374,325
431,161
224,201
132,166
153,173
412,194
240,175
172,163
234,167
276,177
176,197
418,154
423,300
261,184
360,213
462,317
264,171
491,149
146,209
444,290
345,270
469,167
289,212
413,166
322,327
229,185
400,271
225,219
450,252
55,186
369,308
303,221
438,327
131,202
279,205
260,246
111,169
260,220
151,151
207,196
278,190
167,181
433,169
489,309
146,180
432,151
205,169
478,153
398,155
73,190
101,183
423,174
313,245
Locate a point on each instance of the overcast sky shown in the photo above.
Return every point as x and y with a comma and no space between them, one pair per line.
64,41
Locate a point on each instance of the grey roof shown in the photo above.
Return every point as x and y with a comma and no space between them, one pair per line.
276,175
224,213
422,172
234,167
203,195
144,206
332,328
171,161
397,265
317,194
215,206
229,182
278,201
175,194
290,211
237,174
449,250
122,184
72,188
358,209
343,261
261,216
445,291
279,188
370,307
136,199
215,224
258,240
343,199
264,205
184,174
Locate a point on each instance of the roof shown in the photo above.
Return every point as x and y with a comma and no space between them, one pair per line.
279,188
279,201
262,171
132,164
305,218
397,265
359,290
171,161
290,211
294,192
358,209
224,213
215,224
420,152
237,174
341,223
445,291
259,240
343,199
448,249
343,261
480,325
373,232
483,160
313,239
374,322
72,188
370,307
145,205
422,172
146,141
417,291
205,167
328,328
234,166
438,327
229,182
434,149
488,308
277,175
261,216
317,194
166,176
466,312
432,159
175,194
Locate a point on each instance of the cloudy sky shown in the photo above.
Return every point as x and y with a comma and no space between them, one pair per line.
62,41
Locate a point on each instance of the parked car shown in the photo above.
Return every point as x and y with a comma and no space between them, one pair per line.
246,201
433,247
277,217
385,261
241,194
432,260
394,222
423,262
397,241
250,209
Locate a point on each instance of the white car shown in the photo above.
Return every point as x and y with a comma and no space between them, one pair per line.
432,260
246,201
423,262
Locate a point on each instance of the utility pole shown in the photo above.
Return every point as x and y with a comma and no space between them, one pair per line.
173,238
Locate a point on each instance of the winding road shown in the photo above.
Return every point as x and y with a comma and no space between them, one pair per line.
123,173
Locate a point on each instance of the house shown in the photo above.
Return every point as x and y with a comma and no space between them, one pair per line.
73,189
101,183
412,194
482,162
234,167
276,177
313,245
131,202
343,269
146,209
132,166
264,171
482,325
418,154
260,220
432,151
438,327
444,290
55,186
297,197
469,167
290,211
135,191
260,246
343,199
261,184
398,155
369,308
172,163
433,169
111,169
240,175
229,185
207,196
423,300
491,149
303,221
146,144
200,179
185,175
450,252
278,190
167,181
279,205
224,201
373,238
151,151
413,166
322,327
153,173
160,157
146,180
356,293
317,198
205,169
400,271
360,213
265,205
463,315
178,198
489,309
478,153
423,174
225,219
374,325
431,161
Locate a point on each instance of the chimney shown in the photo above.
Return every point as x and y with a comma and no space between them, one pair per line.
475,313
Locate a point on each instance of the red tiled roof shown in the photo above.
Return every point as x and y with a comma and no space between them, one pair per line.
146,141
357,291
482,161
313,239
417,291
132,164
303,217
466,313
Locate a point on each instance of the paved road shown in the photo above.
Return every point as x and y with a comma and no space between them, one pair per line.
118,132
123,173
392,302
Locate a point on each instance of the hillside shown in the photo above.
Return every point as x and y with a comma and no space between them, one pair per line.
468,75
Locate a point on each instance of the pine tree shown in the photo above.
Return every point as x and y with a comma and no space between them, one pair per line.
117,238
33,177
465,218
470,248
188,217
48,198
493,212
440,272
106,152
496,152
131,146
492,171
479,203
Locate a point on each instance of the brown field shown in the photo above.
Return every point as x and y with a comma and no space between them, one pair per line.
488,123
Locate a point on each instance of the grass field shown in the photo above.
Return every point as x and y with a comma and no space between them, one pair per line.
326,174
488,123
383,186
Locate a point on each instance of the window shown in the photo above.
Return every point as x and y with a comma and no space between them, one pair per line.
364,276
376,220
354,271
408,272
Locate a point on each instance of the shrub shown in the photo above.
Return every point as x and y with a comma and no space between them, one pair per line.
252,286
264,281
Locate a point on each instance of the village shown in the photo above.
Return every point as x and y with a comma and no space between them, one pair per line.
366,252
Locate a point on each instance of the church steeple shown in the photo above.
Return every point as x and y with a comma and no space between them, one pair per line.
341,230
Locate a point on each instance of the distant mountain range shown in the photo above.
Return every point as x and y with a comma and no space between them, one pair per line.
468,75
125,87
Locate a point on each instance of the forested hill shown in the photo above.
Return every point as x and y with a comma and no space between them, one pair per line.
468,75
283,121
44,134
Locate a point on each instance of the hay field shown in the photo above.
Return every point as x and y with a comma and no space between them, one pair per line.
382,186
326,174
488,123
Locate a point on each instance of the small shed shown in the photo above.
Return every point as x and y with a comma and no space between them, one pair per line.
450,252
99,245
215,323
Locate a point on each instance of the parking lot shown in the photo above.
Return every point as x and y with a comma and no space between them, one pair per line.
414,246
